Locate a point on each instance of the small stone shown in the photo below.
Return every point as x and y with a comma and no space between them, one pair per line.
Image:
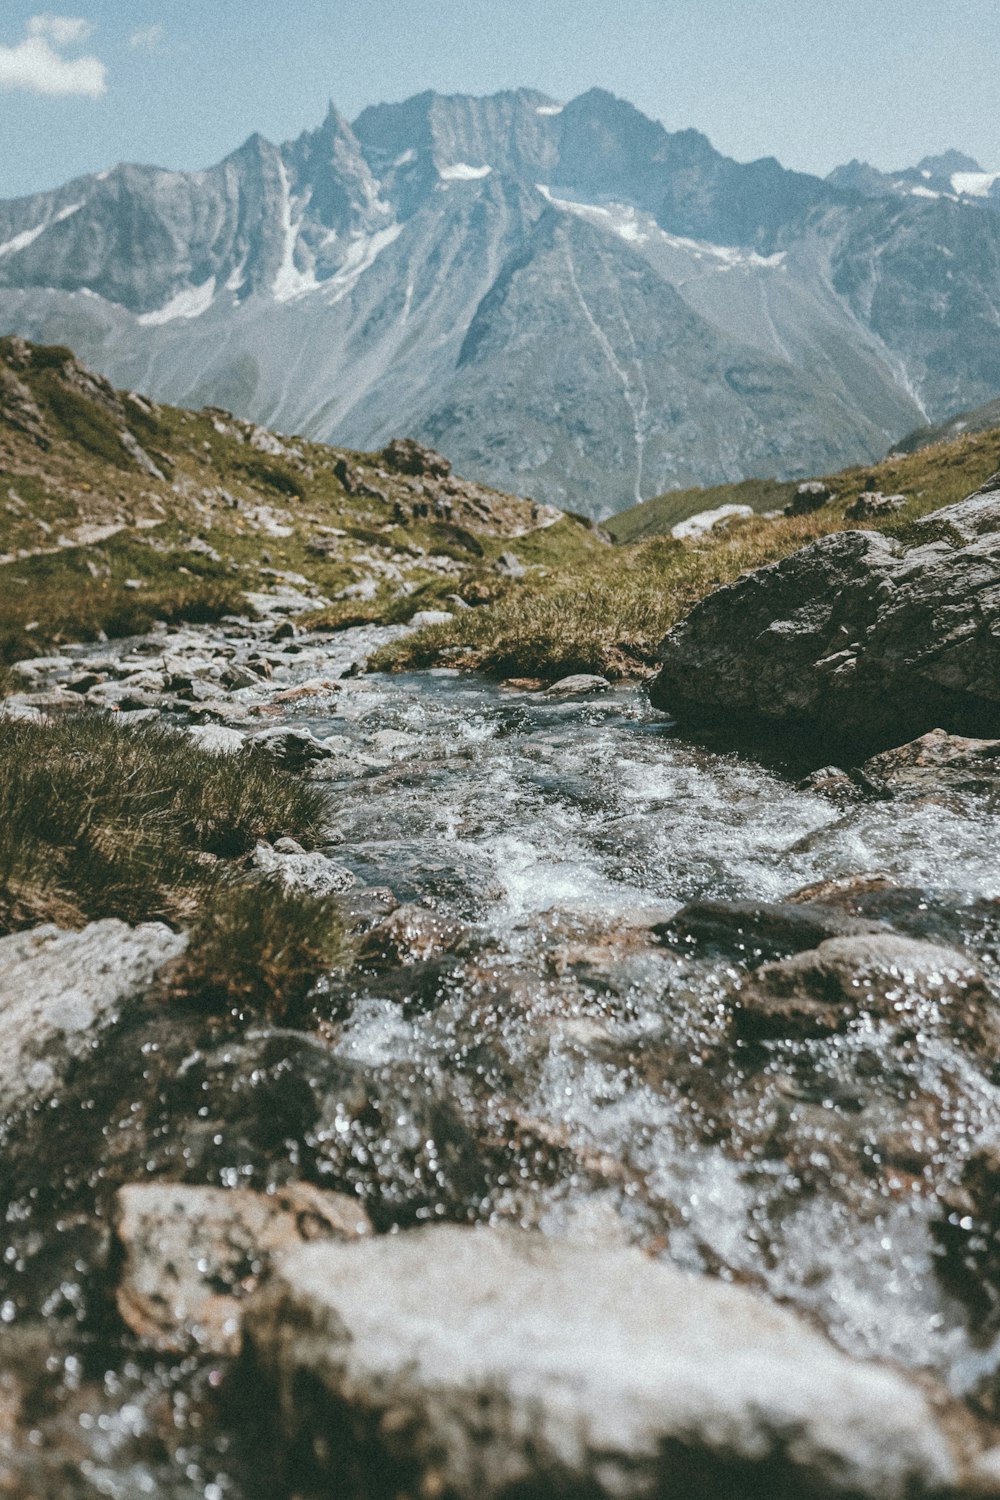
425,617
509,565
216,738
293,749
299,871
580,685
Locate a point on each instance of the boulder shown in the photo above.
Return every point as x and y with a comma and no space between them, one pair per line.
852,640
810,496
917,986
191,1254
936,762
872,503
407,456
480,1364
60,991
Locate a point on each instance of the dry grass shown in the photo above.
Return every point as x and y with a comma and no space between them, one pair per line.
103,820
608,613
99,820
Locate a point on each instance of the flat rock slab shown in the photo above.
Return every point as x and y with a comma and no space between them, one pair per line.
192,1253
60,990
480,1363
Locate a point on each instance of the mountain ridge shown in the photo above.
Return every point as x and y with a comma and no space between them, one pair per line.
332,284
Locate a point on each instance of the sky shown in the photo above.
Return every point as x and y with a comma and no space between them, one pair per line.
180,83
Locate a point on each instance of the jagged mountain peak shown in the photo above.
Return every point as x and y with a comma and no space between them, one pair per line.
948,162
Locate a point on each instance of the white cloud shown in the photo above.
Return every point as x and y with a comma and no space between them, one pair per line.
64,31
147,38
36,65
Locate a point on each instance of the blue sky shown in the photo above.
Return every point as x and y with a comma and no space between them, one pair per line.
182,82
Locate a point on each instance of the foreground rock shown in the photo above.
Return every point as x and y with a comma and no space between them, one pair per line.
191,1254
481,1364
852,638
59,991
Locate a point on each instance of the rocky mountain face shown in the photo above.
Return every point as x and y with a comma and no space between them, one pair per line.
567,300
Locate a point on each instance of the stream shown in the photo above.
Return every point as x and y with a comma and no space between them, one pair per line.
553,1063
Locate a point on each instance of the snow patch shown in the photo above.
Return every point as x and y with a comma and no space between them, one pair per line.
922,192
290,282
191,302
705,520
235,279
362,253
639,229
405,159
461,171
973,184
29,236
550,109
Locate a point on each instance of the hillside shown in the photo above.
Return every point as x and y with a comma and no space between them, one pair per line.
567,300
963,423
950,462
115,511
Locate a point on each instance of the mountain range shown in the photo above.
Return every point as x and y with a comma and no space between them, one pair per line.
568,300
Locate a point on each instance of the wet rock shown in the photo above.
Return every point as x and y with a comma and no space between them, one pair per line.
917,986
411,935
968,1235
810,496
482,1364
580,685
830,781
872,504
60,991
853,640
936,763
292,749
756,930
363,909
191,1254
299,871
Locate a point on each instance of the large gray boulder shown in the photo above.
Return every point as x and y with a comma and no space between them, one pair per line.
481,1363
854,638
60,991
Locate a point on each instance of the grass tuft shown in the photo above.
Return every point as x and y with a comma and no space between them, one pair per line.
258,948
103,820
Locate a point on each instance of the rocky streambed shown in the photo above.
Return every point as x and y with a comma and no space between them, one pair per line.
650,1146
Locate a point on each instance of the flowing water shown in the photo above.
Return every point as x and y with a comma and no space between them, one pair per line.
556,1065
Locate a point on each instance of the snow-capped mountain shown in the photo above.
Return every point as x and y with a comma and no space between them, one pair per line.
569,300
951,175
